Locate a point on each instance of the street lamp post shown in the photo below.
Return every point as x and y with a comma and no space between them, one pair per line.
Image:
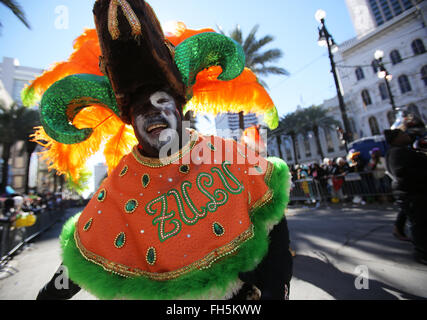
326,40
384,74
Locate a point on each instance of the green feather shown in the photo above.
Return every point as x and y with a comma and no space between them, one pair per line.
29,97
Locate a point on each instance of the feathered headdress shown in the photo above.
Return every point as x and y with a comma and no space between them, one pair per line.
84,99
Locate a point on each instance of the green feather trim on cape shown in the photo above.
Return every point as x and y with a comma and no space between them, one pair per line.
213,283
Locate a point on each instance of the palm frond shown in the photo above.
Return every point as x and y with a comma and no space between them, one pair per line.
250,39
17,11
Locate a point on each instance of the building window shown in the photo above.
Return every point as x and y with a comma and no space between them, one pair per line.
395,57
297,148
366,97
307,146
404,84
359,74
397,8
18,182
329,141
376,11
383,91
424,75
374,65
418,46
391,117
407,4
288,150
373,124
386,10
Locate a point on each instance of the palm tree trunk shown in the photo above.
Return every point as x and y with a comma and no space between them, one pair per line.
319,145
5,168
278,140
241,121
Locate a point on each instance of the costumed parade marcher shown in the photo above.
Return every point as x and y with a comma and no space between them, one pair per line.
407,167
181,215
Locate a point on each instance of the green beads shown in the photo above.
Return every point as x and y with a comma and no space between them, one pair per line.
120,240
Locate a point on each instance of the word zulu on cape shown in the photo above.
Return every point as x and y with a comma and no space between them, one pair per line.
158,207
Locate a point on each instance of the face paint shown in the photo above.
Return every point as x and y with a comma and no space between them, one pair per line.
156,121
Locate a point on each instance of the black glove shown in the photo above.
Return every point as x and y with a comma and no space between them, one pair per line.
64,292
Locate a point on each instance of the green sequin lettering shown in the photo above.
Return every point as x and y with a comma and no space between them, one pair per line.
197,213
182,214
163,217
228,173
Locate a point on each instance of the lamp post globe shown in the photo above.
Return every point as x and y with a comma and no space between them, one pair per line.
320,15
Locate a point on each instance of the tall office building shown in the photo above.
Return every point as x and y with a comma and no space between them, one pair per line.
227,124
369,14
15,77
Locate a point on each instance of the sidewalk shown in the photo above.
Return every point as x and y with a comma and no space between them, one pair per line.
330,244
335,244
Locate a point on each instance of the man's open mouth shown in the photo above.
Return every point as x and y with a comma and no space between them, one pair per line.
156,128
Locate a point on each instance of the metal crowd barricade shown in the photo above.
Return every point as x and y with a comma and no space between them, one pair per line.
13,238
305,190
351,185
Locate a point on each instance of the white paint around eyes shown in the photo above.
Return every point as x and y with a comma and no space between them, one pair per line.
162,100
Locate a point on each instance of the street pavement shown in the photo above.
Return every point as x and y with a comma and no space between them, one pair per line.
342,253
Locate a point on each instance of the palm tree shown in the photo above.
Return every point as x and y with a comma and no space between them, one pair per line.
256,60
289,125
314,118
16,124
17,11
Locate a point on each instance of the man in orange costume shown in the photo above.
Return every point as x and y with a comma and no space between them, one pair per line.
183,215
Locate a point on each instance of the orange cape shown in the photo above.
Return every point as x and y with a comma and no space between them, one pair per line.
164,220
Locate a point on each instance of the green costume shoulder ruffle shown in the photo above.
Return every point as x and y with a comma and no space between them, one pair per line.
213,283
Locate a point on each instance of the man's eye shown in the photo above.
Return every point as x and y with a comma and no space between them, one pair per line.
163,100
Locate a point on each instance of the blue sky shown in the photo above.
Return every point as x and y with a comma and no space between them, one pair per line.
291,23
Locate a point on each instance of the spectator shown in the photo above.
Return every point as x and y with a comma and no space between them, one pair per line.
339,172
358,182
377,166
408,167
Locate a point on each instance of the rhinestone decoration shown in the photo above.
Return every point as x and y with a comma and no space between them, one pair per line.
102,195
124,171
120,240
131,206
257,168
211,146
185,168
145,180
218,229
151,256
88,225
